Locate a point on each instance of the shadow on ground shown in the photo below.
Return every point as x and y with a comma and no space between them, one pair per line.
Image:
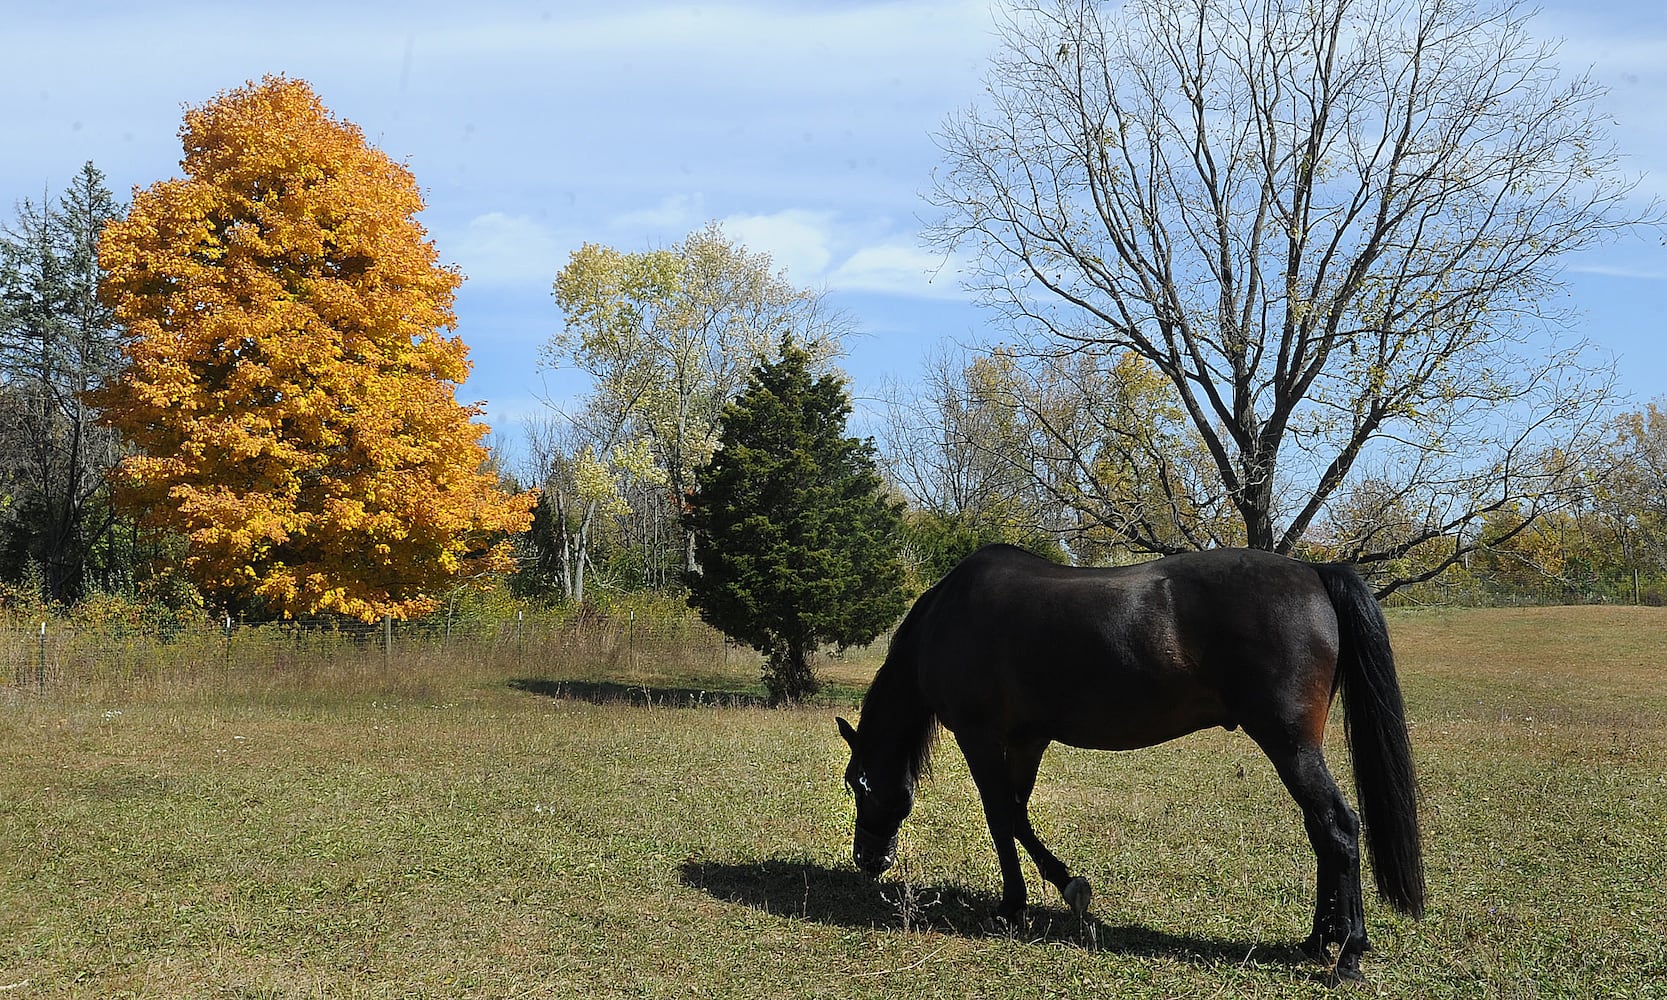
847,898
642,696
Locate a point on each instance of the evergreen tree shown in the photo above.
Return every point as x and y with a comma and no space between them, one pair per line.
795,539
57,341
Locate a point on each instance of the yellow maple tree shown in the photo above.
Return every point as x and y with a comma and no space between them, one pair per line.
290,385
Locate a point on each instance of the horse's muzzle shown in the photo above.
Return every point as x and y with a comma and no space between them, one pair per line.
873,855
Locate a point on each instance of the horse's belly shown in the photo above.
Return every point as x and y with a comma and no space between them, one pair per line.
1110,732
1122,716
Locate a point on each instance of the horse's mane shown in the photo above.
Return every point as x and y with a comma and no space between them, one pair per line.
894,709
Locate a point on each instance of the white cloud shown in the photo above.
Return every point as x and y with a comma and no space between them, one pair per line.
824,249
498,248
813,248
675,212
898,268
798,241
1611,271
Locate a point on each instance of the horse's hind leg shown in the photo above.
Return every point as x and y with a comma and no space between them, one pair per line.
1023,764
1334,831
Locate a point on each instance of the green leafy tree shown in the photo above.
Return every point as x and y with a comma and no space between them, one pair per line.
795,537
1629,489
667,337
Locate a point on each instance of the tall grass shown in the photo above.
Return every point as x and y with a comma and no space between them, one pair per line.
112,661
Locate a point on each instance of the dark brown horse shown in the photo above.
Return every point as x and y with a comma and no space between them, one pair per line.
1010,652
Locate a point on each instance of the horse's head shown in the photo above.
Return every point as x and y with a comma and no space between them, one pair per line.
884,793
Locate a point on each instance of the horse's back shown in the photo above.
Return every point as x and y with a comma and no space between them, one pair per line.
1123,657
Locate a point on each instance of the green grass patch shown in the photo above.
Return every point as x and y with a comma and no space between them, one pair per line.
484,826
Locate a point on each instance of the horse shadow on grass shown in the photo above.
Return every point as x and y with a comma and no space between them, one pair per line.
638,695
847,898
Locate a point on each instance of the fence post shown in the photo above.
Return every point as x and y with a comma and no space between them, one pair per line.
387,640
520,640
40,664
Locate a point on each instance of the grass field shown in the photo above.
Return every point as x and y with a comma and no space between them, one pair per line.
444,829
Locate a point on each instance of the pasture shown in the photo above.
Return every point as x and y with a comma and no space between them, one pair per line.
444,827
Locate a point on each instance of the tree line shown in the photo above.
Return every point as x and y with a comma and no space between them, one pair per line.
1267,275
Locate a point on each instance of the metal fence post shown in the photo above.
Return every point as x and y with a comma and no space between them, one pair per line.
40,665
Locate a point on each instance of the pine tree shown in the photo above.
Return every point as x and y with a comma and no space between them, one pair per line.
795,537
56,342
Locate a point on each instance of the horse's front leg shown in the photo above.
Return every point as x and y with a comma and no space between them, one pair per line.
987,760
1022,766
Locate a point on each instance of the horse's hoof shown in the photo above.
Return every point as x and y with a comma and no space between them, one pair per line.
1341,967
1345,972
1004,922
1315,949
1078,895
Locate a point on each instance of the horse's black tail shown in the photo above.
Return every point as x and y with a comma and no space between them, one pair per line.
1374,717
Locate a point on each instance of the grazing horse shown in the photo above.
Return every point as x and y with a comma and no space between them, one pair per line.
1010,652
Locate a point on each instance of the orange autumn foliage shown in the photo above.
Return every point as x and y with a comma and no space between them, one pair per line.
289,385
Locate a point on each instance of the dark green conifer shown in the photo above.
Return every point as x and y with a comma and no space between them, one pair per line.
796,539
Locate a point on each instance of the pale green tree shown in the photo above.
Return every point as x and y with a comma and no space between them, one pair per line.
668,336
592,497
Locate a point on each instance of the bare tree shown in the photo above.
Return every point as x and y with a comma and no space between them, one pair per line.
1332,226
952,443
1088,449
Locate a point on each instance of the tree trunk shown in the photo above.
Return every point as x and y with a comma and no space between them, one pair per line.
788,677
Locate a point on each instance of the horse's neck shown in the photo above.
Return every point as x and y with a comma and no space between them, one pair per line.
901,719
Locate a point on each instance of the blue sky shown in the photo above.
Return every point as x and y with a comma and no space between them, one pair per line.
805,128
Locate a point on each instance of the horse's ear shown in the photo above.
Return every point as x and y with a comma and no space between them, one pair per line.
846,731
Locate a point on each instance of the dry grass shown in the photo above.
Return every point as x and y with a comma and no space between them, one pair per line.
448,828
1592,664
